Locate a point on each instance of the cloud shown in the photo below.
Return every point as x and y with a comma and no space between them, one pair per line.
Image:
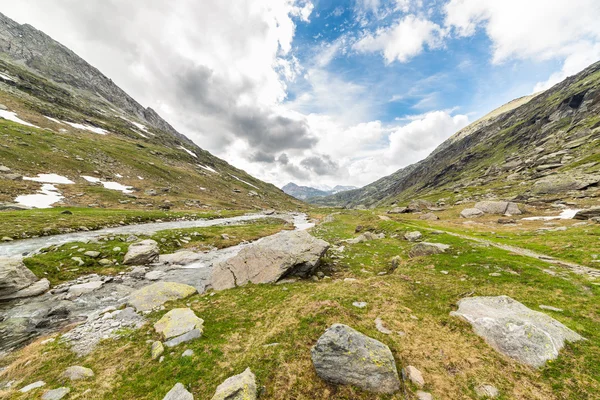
536,30
402,41
321,165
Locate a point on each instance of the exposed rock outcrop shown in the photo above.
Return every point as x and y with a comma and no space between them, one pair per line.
237,387
157,294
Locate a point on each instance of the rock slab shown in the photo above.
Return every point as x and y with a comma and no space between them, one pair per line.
76,372
14,276
142,253
285,254
177,322
157,294
56,394
427,249
237,387
528,336
498,207
345,356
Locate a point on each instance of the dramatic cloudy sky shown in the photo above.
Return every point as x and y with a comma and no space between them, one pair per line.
323,92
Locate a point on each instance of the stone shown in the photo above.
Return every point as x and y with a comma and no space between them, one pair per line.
424,395
105,262
413,236
186,337
157,349
178,392
35,289
83,288
550,308
588,213
154,275
32,386
78,260
13,177
528,336
76,373
360,304
471,213
238,387
4,169
142,253
158,293
56,394
14,276
498,207
506,221
283,255
398,210
188,353
429,217
414,375
563,183
6,239
92,254
177,322
381,327
487,391
183,257
427,249
345,356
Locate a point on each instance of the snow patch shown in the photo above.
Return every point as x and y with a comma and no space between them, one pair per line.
109,185
90,128
47,196
118,175
140,178
90,179
187,151
206,167
7,77
11,116
566,214
243,181
50,178
53,119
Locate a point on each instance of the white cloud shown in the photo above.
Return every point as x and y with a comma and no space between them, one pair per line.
402,41
536,30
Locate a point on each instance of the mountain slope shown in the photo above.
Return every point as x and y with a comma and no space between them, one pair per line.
73,121
307,192
537,148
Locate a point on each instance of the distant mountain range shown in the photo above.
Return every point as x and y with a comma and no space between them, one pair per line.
307,192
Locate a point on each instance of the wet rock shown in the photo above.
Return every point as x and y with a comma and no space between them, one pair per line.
141,253
345,356
471,213
413,236
528,336
56,394
157,294
427,249
498,207
76,373
237,387
178,392
285,254
14,276
177,322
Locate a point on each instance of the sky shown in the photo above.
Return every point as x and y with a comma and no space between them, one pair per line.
323,92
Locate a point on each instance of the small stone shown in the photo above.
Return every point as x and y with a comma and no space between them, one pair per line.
186,337
550,308
78,260
381,328
360,304
495,274
413,236
105,262
7,239
32,386
424,396
154,275
77,372
237,387
92,254
487,391
157,350
56,394
188,353
178,392
177,322
414,375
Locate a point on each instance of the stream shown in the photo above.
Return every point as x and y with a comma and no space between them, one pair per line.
23,320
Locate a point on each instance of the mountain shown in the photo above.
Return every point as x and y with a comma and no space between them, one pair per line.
63,116
536,148
307,192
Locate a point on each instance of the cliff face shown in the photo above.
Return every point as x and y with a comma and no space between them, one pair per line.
532,148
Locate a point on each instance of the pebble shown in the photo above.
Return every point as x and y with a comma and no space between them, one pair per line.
414,375
188,353
381,328
360,304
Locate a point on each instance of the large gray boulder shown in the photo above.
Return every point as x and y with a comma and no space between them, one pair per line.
498,207
528,336
287,253
345,356
237,387
563,183
471,213
178,392
14,276
588,213
427,249
34,289
141,253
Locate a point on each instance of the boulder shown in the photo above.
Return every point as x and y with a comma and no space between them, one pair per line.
76,372
237,387
413,236
471,213
528,336
178,392
56,394
563,183
498,207
141,253
83,288
157,294
429,217
365,237
588,213
285,254
398,210
186,337
183,257
345,356
419,205
427,249
35,289
177,322
14,276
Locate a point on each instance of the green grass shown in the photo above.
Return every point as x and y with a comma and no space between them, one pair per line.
415,299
